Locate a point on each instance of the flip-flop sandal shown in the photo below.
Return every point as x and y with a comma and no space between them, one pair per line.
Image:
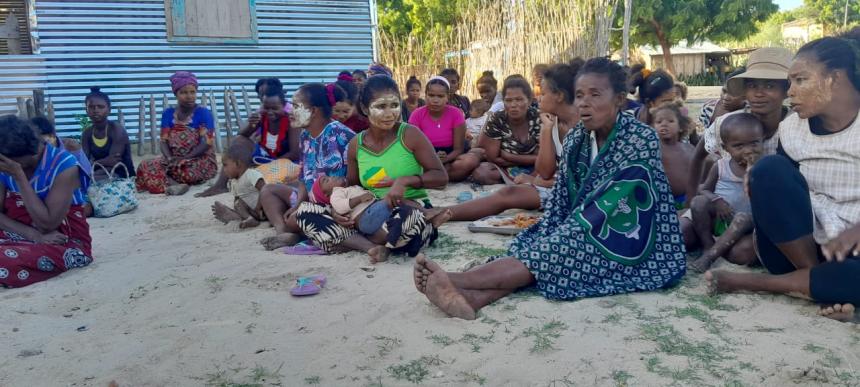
308,286
303,249
464,196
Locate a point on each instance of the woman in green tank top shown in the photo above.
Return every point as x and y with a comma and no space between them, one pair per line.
394,161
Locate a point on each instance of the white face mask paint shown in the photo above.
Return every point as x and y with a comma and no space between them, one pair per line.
384,111
300,116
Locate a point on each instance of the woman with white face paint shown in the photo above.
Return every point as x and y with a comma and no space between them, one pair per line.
396,162
323,145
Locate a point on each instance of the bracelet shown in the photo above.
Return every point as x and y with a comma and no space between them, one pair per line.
421,182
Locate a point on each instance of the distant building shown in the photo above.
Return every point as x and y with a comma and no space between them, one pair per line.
799,32
688,59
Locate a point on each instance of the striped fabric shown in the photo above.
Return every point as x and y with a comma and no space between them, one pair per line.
54,161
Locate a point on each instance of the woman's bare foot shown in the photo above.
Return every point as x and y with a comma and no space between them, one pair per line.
280,240
441,218
378,254
211,191
177,189
423,267
839,312
434,212
442,293
224,214
721,282
249,223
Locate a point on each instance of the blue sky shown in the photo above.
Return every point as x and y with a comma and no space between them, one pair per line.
788,4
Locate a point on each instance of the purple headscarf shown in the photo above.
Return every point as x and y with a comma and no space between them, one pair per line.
377,68
181,79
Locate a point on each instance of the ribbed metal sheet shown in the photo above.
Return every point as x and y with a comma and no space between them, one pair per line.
20,9
122,47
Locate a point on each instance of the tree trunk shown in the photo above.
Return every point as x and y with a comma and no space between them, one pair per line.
668,65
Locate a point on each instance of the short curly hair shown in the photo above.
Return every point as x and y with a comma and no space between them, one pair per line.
17,138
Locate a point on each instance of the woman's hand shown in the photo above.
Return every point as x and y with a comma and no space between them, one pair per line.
845,245
52,238
395,195
547,121
289,213
254,119
11,167
344,221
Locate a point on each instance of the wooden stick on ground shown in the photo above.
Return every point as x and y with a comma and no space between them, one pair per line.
228,126
141,125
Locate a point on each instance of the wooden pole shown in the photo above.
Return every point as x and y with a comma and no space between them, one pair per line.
50,112
153,138
625,52
228,126
237,116
31,109
141,124
247,101
165,103
203,99
120,118
39,102
22,108
214,106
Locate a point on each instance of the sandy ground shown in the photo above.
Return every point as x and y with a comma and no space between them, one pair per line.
175,298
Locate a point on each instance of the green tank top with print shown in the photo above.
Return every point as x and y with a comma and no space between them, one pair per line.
377,171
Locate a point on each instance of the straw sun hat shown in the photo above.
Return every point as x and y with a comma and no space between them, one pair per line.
764,63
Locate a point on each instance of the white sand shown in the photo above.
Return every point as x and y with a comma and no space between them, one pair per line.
175,298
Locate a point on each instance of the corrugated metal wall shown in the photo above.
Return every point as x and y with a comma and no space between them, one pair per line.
20,9
122,47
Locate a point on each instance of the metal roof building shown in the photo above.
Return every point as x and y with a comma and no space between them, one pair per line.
130,47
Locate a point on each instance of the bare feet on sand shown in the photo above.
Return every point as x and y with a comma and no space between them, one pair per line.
224,214
280,240
422,269
701,264
249,223
177,189
378,254
211,191
441,291
840,312
719,282
441,218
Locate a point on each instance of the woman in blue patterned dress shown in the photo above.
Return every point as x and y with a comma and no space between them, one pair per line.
609,226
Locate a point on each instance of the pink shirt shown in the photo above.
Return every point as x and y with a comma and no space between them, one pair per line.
441,132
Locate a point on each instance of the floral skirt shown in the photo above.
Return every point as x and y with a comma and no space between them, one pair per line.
152,175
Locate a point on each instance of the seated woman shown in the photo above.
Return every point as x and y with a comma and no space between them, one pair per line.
413,99
394,161
610,227
559,115
105,142
277,143
805,200
510,137
445,126
488,89
43,230
187,135
458,101
345,111
322,152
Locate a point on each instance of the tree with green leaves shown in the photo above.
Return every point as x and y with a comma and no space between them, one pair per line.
832,13
667,22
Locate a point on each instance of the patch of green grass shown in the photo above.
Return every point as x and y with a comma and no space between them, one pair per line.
485,252
672,342
491,321
544,336
472,377
385,344
563,382
414,371
313,380
812,348
685,376
442,340
712,325
711,302
259,376
762,329
373,382
734,383
477,341
747,366
613,318
621,378
215,283
445,248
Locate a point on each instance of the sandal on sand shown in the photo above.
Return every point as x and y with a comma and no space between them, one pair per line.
308,286
303,249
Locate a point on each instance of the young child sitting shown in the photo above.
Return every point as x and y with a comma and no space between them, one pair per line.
722,207
245,184
477,119
672,125
362,207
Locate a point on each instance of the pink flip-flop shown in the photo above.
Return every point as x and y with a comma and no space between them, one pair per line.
308,286
303,249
